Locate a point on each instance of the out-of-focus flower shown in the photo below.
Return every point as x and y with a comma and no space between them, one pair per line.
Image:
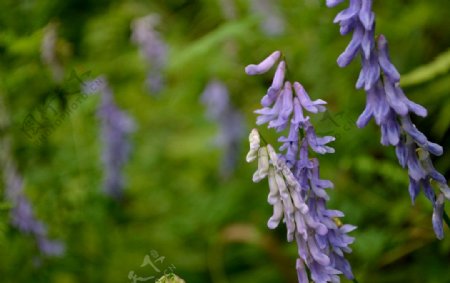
49,52
216,99
273,23
22,214
296,192
153,48
228,9
170,278
116,126
388,105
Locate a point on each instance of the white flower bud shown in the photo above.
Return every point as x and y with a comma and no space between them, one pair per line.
274,221
263,165
254,140
273,155
251,155
285,196
274,195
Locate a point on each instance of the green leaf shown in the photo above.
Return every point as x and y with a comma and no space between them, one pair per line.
422,74
210,42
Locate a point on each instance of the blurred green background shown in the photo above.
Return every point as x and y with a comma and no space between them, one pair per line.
209,228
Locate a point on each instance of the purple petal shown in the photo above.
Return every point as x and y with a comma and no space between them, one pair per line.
438,213
318,255
332,3
301,272
385,62
400,151
395,100
428,190
264,66
348,13
414,189
366,15
353,47
367,43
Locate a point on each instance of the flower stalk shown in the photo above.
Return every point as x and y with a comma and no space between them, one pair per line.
296,192
388,105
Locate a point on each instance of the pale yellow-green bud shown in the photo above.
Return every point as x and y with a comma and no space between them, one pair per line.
254,140
170,278
274,195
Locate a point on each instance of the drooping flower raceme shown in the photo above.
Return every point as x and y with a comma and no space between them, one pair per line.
296,192
217,101
116,126
22,213
152,48
388,105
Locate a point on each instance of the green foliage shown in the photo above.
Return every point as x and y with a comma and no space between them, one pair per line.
439,66
176,203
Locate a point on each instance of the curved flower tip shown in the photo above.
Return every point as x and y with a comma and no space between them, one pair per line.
438,213
264,66
385,62
305,101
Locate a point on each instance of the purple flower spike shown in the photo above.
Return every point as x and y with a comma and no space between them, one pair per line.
296,192
22,213
153,49
389,106
116,126
219,108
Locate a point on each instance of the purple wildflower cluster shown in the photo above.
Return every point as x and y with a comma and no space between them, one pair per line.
115,128
388,105
217,101
297,193
22,214
152,48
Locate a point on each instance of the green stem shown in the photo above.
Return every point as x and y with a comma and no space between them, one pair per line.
263,139
355,281
446,219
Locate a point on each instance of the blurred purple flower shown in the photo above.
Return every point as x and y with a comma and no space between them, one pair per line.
22,214
116,126
216,99
388,105
273,23
152,48
297,193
